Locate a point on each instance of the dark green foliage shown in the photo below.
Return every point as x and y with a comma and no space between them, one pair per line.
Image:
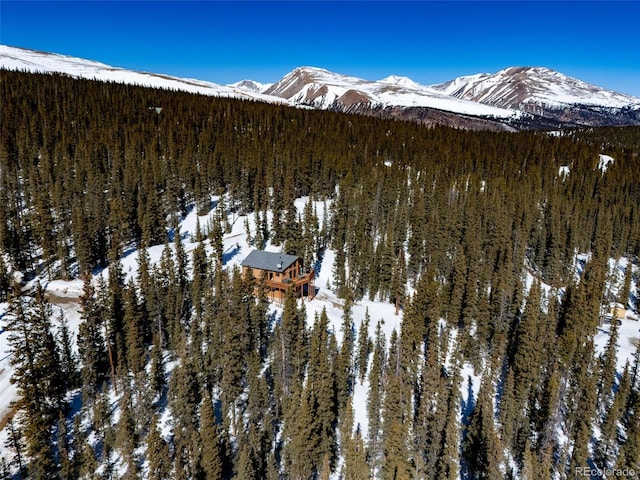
376,392
91,341
364,348
625,292
289,346
312,430
213,449
441,223
38,377
345,376
482,448
158,454
4,280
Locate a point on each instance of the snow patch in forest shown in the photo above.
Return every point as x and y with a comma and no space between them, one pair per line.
604,162
64,296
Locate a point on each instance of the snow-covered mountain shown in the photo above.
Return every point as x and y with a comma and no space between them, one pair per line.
13,58
537,90
514,98
518,97
250,86
323,89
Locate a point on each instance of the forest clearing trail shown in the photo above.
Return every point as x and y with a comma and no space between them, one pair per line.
64,297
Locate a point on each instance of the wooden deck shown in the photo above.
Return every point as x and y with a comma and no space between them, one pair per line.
279,288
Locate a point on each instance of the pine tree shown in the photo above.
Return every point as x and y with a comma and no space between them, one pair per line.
523,375
133,330
300,456
321,383
448,464
364,347
38,377
15,443
91,344
606,445
67,355
184,399
158,454
625,292
213,456
115,312
344,362
352,447
395,417
126,435
430,400
629,458
481,448
583,394
4,280
158,382
608,365
289,346
456,287
376,393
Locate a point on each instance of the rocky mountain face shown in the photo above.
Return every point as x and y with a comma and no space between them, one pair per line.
321,88
520,97
548,94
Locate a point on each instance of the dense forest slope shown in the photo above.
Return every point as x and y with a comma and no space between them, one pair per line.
489,253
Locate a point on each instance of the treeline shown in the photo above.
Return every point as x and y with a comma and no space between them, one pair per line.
440,222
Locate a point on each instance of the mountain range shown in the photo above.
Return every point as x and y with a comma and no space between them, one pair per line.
512,99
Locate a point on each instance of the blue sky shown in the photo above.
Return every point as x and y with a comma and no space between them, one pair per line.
428,41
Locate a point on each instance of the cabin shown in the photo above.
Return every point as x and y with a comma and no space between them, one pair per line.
618,311
282,272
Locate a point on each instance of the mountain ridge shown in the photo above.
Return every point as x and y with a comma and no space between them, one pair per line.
514,87
515,98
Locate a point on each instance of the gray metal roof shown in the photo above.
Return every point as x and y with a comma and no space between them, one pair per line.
271,261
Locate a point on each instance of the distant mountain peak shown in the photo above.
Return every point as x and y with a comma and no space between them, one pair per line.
401,81
529,88
320,88
250,86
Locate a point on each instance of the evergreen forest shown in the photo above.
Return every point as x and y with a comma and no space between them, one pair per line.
493,252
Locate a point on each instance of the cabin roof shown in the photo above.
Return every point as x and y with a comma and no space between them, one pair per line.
270,261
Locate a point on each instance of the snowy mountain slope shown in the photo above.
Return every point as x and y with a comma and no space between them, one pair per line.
12,58
518,87
514,98
324,89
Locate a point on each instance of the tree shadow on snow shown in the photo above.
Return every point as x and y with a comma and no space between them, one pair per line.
230,253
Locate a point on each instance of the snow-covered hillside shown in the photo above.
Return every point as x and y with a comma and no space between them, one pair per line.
12,58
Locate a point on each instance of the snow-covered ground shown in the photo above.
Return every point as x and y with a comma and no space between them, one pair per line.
65,295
